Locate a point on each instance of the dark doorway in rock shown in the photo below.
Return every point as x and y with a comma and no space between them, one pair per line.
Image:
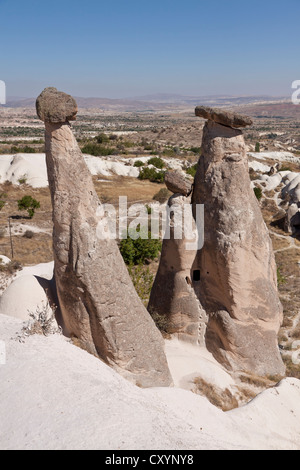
196,275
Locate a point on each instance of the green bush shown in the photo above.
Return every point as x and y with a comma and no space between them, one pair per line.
26,149
157,162
128,144
97,150
148,147
23,179
285,168
169,153
257,147
3,196
138,251
138,163
196,150
152,174
102,138
258,193
29,204
192,170
280,278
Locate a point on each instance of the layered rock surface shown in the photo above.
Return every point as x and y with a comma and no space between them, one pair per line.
98,301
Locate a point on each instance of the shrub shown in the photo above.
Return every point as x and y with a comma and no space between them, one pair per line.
23,179
138,251
152,174
196,150
258,193
29,204
192,170
10,267
3,196
280,278
149,147
26,149
28,234
285,168
162,195
157,162
42,321
223,399
138,163
257,147
142,280
169,152
162,323
128,144
97,150
102,138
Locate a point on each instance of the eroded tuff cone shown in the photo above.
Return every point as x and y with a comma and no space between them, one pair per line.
56,106
224,117
174,292
292,220
177,183
238,282
97,299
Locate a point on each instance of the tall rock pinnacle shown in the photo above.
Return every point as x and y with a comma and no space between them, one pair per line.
223,295
238,278
97,299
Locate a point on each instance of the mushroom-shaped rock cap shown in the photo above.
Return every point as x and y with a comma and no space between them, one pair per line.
56,106
178,183
221,116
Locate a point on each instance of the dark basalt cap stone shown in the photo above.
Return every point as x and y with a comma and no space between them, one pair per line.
56,106
221,116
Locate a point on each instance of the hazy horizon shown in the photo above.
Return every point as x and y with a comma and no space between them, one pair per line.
156,96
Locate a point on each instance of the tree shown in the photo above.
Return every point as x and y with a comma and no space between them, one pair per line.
138,251
257,147
29,204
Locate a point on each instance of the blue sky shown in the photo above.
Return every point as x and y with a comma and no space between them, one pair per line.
129,48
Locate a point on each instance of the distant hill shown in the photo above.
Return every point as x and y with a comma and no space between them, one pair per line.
156,102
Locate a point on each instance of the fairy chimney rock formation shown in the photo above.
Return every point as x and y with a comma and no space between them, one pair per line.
174,292
222,295
238,277
97,299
